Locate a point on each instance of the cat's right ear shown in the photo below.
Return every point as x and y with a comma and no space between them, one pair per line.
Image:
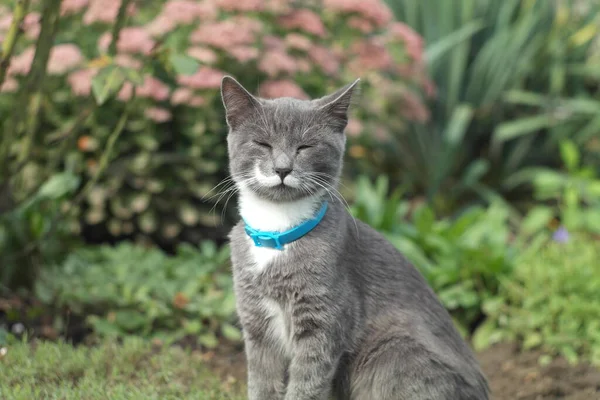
238,102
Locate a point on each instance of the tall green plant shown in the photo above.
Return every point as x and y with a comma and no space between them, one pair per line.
509,80
34,207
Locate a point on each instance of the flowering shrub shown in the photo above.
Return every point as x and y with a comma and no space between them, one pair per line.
164,72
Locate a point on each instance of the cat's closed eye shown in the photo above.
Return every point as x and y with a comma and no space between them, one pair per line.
303,147
262,144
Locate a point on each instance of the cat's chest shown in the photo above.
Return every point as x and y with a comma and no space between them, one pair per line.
261,258
278,324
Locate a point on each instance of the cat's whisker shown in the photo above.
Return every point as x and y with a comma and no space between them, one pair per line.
226,182
333,191
231,191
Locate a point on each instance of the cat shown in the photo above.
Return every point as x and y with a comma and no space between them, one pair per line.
337,311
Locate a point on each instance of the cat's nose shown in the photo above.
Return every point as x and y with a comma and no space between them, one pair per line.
283,172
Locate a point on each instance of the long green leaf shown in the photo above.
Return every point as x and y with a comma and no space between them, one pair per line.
436,50
524,126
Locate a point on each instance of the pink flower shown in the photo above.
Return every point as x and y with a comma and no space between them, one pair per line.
21,64
131,40
413,108
305,20
203,54
31,25
158,114
160,25
375,10
204,78
101,11
273,42
72,6
324,58
63,58
278,6
371,55
361,24
5,20
354,128
187,11
154,89
429,87
241,5
281,88
224,34
303,65
411,39
277,61
81,81
10,85
243,53
185,96
127,61
126,92
298,42
104,11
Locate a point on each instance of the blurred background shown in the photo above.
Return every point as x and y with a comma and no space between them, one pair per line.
474,147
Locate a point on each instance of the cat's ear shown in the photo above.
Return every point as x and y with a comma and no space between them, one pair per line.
238,102
335,106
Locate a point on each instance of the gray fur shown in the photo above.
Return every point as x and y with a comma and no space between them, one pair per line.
364,323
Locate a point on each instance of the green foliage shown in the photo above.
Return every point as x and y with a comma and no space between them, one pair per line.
32,235
573,196
552,302
159,83
129,289
134,370
463,259
513,79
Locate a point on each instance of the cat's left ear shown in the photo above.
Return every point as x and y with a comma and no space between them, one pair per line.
335,106
239,103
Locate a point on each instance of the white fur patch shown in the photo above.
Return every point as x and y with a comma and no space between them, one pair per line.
266,215
278,331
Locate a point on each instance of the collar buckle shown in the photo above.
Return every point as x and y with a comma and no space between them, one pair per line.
276,240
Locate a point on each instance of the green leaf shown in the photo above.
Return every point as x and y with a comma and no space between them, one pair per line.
458,125
570,155
486,335
130,320
107,83
183,64
443,46
231,332
536,220
193,327
524,126
134,76
58,186
104,327
532,340
208,340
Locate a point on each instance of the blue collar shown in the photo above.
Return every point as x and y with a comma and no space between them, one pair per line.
276,240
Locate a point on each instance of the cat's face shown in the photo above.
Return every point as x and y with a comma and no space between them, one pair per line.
285,149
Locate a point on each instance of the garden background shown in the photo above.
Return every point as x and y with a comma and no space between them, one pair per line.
474,147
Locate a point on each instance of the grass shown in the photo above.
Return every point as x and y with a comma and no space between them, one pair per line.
131,370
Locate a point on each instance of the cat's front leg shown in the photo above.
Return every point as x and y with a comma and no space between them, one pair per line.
313,366
266,372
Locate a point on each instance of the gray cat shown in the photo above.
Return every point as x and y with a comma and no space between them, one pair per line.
337,311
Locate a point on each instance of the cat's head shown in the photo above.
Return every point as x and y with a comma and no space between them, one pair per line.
285,149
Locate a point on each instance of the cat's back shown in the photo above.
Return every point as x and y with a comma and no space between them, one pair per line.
394,291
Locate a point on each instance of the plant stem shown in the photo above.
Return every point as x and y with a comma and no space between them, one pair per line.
12,36
31,99
8,47
118,26
105,157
